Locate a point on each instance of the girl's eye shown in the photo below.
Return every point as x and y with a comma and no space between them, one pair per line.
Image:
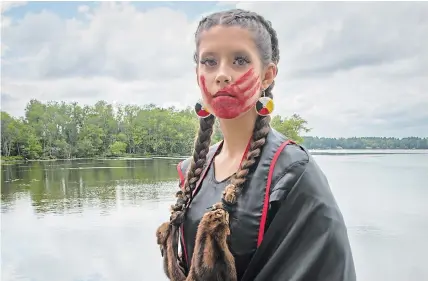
209,62
241,61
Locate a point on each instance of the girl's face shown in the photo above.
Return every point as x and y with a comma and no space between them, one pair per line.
230,73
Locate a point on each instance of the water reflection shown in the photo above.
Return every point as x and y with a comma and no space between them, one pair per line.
71,186
95,219
84,220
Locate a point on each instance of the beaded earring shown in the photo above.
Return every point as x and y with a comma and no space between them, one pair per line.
201,111
264,105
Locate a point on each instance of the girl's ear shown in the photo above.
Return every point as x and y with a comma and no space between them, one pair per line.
269,75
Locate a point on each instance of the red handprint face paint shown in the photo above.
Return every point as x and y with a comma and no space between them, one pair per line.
235,99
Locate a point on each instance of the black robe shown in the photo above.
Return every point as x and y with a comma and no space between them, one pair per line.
295,231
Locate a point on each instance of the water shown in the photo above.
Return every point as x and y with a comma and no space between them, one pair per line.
94,220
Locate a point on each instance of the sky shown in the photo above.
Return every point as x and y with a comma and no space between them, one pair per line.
349,69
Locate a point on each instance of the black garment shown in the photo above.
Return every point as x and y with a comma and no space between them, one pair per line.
305,236
212,194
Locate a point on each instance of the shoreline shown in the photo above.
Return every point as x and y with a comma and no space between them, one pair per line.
16,161
316,152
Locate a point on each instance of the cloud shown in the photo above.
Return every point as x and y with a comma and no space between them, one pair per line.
345,67
113,40
113,52
9,5
83,9
341,70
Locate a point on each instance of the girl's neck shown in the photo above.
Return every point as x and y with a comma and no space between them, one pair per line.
236,133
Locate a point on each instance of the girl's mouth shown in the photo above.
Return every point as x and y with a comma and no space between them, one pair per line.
223,94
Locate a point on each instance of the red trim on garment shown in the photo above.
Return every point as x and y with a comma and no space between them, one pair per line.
267,192
180,174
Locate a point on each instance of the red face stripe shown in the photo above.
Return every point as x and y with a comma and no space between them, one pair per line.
241,92
250,85
249,74
204,86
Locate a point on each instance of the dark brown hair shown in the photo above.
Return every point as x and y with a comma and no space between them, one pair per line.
266,41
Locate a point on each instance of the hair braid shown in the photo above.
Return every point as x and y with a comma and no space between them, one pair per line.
269,52
258,139
201,149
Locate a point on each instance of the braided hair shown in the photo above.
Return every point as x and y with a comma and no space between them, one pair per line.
266,40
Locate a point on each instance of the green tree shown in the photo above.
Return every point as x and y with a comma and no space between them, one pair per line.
291,127
68,130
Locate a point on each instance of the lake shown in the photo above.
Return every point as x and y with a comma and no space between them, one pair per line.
94,220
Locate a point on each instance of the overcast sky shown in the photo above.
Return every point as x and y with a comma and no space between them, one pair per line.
350,69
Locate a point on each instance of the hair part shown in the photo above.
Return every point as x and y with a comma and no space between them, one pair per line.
263,34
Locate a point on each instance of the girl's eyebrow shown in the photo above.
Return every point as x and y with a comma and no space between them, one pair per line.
241,53
235,53
208,54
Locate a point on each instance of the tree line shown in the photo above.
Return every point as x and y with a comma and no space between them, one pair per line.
59,130
366,143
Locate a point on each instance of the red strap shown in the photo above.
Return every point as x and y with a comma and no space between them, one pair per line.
267,192
180,174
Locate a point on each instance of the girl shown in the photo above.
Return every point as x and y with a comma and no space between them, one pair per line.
255,206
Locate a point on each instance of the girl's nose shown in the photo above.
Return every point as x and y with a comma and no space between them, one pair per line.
223,79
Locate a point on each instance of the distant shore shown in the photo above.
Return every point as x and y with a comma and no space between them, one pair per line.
366,151
10,160
15,160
